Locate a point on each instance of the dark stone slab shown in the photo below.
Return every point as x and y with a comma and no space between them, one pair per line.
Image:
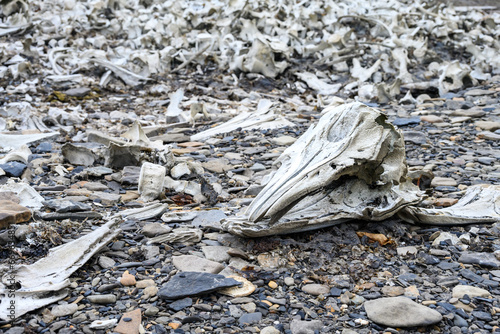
13,168
190,283
406,121
67,205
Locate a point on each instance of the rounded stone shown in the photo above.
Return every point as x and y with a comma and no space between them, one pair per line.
316,289
400,312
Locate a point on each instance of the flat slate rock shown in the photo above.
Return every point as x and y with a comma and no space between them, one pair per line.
13,168
60,205
482,259
13,213
400,312
190,283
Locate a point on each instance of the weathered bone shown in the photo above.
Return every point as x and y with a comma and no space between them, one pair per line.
351,165
44,282
480,204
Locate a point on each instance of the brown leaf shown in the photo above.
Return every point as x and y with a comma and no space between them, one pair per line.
376,237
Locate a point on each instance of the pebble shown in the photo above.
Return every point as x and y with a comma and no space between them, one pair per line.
269,330
216,253
393,291
316,289
153,229
250,318
289,281
305,327
106,262
103,324
102,299
283,140
460,291
181,304
443,181
195,263
127,279
400,312
64,310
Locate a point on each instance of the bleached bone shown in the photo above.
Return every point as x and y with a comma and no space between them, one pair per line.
263,118
127,76
401,56
480,204
363,74
317,84
16,141
457,73
44,282
147,212
151,181
351,165
21,154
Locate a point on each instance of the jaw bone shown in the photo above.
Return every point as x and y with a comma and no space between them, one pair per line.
351,165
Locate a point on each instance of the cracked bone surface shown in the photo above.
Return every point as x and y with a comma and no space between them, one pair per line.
351,165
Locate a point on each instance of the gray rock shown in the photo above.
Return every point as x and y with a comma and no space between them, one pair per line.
210,218
99,171
406,121
15,330
461,290
283,140
95,186
190,283
13,168
289,281
151,311
107,199
400,312
64,310
153,229
130,175
305,327
102,299
77,91
269,330
415,137
482,259
216,253
235,311
106,262
60,205
316,289
150,252
181,304
217,165
195,263
250,318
